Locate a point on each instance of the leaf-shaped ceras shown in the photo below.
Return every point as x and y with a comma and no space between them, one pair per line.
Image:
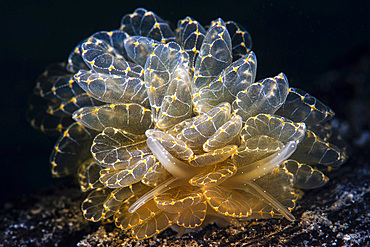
235,78
88,175
58,95
148,24
126,220
213,157
126,157
204,126
303,107
156,175
240,38
92,206
103,203
227,202
115,178
226,134
132,118
107,56
145,222
116,149
213,175
276,127
179,198
71,150
264,96
187,200
191,35
174,146
66,108
139,48
264,135
57,84
75,61
113,88
168,84
305,177
314,150
214,56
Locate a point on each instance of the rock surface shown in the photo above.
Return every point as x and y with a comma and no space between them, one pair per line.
337,214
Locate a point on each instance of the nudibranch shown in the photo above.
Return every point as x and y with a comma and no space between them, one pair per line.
170,128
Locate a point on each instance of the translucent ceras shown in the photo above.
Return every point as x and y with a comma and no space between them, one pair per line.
170,129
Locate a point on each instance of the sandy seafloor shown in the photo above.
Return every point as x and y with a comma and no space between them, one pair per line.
322,47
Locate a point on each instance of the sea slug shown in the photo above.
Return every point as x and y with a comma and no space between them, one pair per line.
170,129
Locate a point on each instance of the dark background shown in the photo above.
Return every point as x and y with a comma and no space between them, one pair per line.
300,38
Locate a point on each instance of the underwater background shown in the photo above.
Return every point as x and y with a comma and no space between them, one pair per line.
303,39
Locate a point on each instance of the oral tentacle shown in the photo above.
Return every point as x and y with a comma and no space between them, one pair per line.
272,201
177,168
261,167
150,194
